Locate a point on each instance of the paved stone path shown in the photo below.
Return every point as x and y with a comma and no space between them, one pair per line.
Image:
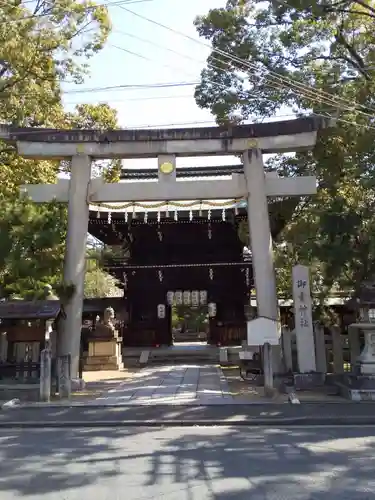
179,384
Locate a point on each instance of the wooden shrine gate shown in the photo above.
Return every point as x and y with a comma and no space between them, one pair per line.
200,252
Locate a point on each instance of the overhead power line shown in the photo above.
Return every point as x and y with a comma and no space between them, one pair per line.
275,81
132,87
88,9
136,99
293,85
225,87
149,59
251,77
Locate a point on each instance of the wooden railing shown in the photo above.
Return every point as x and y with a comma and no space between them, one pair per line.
335,350
26,370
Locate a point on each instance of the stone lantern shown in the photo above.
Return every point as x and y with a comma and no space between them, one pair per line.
364,304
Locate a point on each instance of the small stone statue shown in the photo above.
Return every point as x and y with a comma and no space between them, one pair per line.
48,293
106,328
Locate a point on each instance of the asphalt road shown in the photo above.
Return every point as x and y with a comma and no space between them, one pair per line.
190,463
177,415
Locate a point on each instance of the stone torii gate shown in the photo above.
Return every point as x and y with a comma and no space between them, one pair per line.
82,146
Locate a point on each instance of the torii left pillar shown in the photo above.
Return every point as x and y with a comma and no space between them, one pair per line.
69,337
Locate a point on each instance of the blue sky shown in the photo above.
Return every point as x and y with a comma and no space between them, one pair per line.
112,66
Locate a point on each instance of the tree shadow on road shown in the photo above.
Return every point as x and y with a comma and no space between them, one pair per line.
277,463
258,464
210,463
37,462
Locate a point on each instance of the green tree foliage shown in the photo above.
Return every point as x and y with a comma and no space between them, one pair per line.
35,234
190,318
99,117
31,247
306,56
98,283
42,45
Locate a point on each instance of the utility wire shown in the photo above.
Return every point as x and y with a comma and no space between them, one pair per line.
112,88
220,61
135,99
271,84
278,78
49,14
120,4
141,56
133,87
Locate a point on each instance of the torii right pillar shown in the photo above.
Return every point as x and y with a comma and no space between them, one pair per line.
262,253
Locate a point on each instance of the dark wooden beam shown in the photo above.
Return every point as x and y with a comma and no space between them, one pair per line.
268,129
190,172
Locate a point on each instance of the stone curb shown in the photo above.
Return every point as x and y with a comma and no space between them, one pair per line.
256,422
84,404
179,405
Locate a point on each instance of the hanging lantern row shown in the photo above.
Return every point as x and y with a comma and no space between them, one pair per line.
194,298
186,297
212,309
161,311
178,298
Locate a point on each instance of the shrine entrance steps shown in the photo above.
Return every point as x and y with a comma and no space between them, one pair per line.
196,353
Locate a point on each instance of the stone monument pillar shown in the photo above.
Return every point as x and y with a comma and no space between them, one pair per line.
45,375
3,346
303,319
50,331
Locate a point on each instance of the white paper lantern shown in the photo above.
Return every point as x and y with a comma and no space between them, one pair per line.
203,297
212,309
195,298
161,311
178,297
170,298
187,297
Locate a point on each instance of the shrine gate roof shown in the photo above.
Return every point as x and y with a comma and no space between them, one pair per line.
268,129
25,309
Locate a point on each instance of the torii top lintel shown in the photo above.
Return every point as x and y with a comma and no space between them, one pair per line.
278,136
